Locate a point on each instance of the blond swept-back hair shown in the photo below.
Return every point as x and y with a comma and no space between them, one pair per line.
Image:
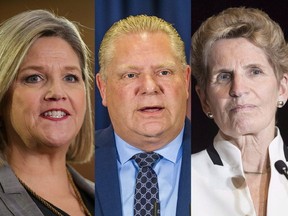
17,34
249,23
138,24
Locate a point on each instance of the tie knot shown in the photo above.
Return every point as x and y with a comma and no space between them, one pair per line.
147,159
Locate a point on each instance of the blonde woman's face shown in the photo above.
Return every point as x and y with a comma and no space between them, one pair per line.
48,100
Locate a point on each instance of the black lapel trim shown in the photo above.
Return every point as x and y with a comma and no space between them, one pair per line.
214,156
285,151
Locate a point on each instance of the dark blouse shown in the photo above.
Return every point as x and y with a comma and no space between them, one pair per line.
88,201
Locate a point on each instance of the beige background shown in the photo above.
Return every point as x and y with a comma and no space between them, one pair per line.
81,11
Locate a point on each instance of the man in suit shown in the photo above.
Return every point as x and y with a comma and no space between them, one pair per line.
144,81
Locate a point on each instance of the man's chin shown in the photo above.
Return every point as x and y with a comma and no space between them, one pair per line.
152,131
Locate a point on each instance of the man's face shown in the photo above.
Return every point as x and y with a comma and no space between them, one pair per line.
146,90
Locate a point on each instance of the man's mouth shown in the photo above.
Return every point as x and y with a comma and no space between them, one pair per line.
151,109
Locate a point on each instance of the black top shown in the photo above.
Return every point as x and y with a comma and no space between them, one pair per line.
89,203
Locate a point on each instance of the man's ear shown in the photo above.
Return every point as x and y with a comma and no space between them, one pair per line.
203,99
187,79
101,84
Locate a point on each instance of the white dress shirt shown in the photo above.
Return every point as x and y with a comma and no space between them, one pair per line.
220,190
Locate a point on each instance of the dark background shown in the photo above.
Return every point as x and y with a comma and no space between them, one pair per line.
204,129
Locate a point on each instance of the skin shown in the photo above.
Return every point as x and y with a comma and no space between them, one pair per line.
49,79
146,90
242,95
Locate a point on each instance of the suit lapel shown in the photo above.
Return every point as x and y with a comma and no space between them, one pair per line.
15,197
106,171
108,197
184,191
82,183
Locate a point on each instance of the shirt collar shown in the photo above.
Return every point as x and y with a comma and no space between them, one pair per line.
231,155
172,151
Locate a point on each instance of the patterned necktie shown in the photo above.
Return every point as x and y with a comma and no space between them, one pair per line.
146,198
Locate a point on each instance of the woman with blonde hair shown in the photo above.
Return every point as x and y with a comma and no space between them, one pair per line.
45,116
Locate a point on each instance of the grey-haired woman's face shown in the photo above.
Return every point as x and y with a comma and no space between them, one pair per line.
243,91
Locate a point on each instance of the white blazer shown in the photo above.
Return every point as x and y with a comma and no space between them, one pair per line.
218,181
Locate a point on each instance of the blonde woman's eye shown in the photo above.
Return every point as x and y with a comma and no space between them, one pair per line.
71,78
35,78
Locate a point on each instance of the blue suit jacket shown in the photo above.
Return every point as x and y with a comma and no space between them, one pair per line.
107,187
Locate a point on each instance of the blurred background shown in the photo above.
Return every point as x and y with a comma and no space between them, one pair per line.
75,10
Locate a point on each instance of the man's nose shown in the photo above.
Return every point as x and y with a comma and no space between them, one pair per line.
149,85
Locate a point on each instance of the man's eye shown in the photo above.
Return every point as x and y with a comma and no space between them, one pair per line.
33,78
165,73
129,75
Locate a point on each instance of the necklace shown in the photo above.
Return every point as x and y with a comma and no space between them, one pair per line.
259,172
52,208
78,196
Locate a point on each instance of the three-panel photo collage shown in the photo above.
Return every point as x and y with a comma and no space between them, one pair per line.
143,108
